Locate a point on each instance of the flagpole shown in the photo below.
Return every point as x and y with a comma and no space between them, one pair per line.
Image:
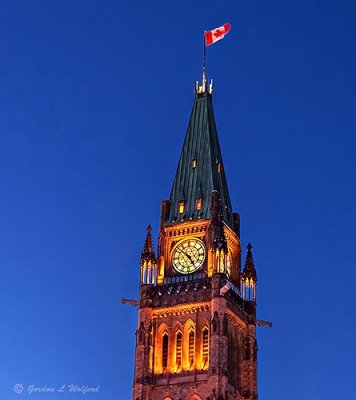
204,63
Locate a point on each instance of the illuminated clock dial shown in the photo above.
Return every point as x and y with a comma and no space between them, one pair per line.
188,256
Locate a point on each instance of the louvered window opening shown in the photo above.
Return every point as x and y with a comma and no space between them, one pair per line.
179,349
205,346
191,347
165,351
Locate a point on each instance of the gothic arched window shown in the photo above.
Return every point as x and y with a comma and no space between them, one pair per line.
179,349
165,351
195,397
191,347
205,347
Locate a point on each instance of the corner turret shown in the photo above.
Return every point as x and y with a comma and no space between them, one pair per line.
148,263
249,277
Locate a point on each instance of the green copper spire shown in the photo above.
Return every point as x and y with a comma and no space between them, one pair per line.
200,169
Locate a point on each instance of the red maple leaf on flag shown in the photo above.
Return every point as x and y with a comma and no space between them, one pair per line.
216,34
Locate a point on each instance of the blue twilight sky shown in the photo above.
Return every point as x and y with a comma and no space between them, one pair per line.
94,102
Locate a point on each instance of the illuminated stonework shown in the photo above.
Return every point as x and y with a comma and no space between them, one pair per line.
196,335
181,310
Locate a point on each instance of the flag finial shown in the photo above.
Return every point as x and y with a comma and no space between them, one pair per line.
203,87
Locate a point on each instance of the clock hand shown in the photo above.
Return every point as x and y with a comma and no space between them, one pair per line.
187,255
190,259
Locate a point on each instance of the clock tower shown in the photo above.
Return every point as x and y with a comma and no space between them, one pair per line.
196,335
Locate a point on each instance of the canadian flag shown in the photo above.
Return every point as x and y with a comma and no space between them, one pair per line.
216,34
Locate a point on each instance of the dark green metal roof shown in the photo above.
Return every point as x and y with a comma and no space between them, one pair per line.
201,144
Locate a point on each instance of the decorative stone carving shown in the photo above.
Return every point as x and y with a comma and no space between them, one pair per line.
141,334
215,322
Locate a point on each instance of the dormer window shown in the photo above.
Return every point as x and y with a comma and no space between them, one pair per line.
198,204
181,207
194,163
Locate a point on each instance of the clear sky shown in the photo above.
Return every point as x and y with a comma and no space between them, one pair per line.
95,97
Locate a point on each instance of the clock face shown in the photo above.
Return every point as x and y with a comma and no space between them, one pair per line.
188,256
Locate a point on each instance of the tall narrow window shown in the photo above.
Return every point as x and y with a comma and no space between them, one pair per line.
205,347
194,163
198,203
165,351
181,207
179,349
191,349
220,167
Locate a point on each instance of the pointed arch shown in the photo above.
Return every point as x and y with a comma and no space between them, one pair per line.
203,322
189,348
162,327
189,323
162,348
177,326
194,396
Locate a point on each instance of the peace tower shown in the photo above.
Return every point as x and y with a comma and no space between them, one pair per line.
196,335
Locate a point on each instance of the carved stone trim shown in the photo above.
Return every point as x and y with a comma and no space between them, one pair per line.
181,310
186,231
235,320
